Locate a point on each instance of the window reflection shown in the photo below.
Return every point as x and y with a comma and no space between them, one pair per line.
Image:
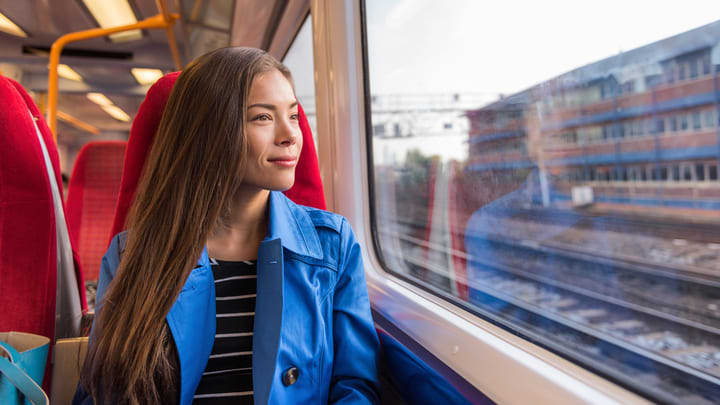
574,198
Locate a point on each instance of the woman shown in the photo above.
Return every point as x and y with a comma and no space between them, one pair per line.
275,310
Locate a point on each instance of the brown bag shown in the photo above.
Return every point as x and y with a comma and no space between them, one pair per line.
69,356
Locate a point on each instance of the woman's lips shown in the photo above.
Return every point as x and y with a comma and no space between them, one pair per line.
284,161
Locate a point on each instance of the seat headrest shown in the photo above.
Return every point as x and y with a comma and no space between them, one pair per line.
307,190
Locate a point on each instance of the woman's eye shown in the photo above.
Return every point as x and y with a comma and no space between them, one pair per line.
295,116
262,117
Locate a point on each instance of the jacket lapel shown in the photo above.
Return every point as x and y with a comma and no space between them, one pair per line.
268,317
289,227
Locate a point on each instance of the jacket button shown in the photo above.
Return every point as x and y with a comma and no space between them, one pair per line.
290,376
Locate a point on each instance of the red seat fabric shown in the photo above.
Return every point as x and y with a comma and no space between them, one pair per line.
92,196
307,189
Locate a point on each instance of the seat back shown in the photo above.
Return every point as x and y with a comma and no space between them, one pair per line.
92,195
307,189
40,280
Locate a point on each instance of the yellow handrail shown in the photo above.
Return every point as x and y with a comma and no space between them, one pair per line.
77,123
162,7
163,20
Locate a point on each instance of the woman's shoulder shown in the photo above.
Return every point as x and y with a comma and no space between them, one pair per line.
320,218
325,219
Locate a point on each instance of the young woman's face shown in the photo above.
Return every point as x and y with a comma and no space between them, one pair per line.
273,134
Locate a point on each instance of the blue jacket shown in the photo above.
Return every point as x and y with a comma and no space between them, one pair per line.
312,312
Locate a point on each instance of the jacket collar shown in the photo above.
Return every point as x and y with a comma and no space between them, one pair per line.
292,225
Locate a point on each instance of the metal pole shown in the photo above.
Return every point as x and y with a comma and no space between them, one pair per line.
157,21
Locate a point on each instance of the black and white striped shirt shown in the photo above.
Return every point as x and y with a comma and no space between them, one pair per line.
228,375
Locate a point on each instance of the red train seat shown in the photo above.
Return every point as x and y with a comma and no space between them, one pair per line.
92,196
37,263
307,189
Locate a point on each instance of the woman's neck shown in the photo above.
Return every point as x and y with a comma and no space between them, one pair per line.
239,238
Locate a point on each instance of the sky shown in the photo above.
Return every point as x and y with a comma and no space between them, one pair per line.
430,46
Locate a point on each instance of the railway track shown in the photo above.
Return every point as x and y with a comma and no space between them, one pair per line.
692,273
698,231
669,320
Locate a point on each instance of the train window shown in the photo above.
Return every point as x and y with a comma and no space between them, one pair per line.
619,280
299,59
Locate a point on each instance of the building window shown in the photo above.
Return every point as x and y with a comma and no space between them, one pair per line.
379,130
663,173
676,173
670,74
700,172
706,64
697,123
683,122
713,171
693,69
660,125
633,174
628,87
681,71
687,173
673,123
709,121
620,130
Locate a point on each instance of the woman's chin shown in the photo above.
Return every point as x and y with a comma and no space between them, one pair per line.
281,185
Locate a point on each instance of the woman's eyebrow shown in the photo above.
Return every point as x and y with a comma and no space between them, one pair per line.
270,106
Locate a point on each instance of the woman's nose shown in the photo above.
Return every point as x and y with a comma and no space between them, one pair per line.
288,133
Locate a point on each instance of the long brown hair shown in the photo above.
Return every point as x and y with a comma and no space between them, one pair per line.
194,168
